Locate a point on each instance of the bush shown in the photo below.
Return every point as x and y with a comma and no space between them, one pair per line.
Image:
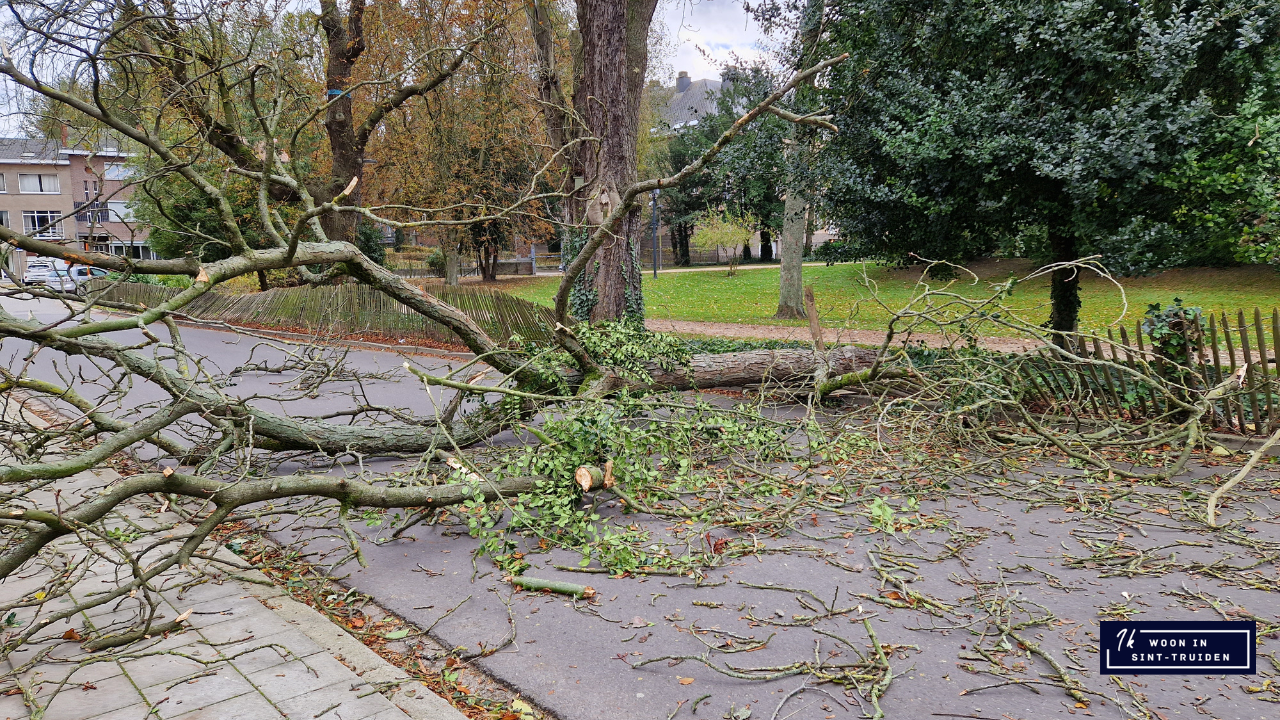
435,261
721,231
369,240
720,346
173,281
835,251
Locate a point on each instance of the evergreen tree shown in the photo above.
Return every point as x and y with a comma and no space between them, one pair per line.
1100,126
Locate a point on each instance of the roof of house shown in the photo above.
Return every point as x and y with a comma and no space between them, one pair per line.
690,106
35,152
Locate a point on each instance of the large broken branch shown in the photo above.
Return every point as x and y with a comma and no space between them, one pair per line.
755,367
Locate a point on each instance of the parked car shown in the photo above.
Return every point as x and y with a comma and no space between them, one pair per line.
39,267
69,280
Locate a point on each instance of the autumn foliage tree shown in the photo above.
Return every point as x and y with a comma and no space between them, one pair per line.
479,141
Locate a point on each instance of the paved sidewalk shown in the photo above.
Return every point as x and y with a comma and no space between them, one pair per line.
250,651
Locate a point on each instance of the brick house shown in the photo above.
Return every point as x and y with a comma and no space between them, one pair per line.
100,190
34,196
72,196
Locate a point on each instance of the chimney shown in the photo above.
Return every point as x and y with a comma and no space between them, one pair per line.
64,133
682,81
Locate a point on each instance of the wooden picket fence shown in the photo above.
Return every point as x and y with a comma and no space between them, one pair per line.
350,309
1215,350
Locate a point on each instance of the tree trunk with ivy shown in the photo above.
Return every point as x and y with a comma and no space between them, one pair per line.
610,73
791,273
1064,290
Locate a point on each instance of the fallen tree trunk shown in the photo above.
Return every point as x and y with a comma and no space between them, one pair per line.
754,367
278,432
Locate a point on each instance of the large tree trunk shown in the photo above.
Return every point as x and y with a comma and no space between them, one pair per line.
614,39
790,279
680,244
346,44
452,261
488,263
1064,292
754,367
766,245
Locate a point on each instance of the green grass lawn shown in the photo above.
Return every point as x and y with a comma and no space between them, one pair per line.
751,297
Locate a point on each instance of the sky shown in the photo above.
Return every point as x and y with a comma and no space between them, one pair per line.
721,27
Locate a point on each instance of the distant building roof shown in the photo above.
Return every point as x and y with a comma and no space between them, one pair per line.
35,152
691,101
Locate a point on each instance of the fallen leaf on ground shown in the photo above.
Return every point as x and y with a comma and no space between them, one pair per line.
686,681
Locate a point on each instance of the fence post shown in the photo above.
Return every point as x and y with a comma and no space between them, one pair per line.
1217,369
1082,351
1262,369
1128,356
1155,365
1252,383
1204,366
1106,372
1124,385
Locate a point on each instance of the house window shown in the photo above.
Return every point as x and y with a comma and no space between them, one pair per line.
42,223
116,171
132,250
2,187
32,183
120,211
92,213
4,218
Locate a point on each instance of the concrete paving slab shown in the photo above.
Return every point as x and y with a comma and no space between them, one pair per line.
76,704
266,653
149,671
173,698
291,679
12,707
141,711
336,701
71,675
245,707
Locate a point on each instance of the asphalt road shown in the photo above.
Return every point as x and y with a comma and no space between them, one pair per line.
576,661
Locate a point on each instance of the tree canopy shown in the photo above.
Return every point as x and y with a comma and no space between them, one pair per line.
1125,129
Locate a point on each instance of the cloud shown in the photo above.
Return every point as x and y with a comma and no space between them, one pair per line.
719,27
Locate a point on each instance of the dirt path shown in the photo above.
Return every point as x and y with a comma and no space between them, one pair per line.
831,335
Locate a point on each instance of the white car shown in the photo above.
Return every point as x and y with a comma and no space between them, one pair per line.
38,268
64,280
